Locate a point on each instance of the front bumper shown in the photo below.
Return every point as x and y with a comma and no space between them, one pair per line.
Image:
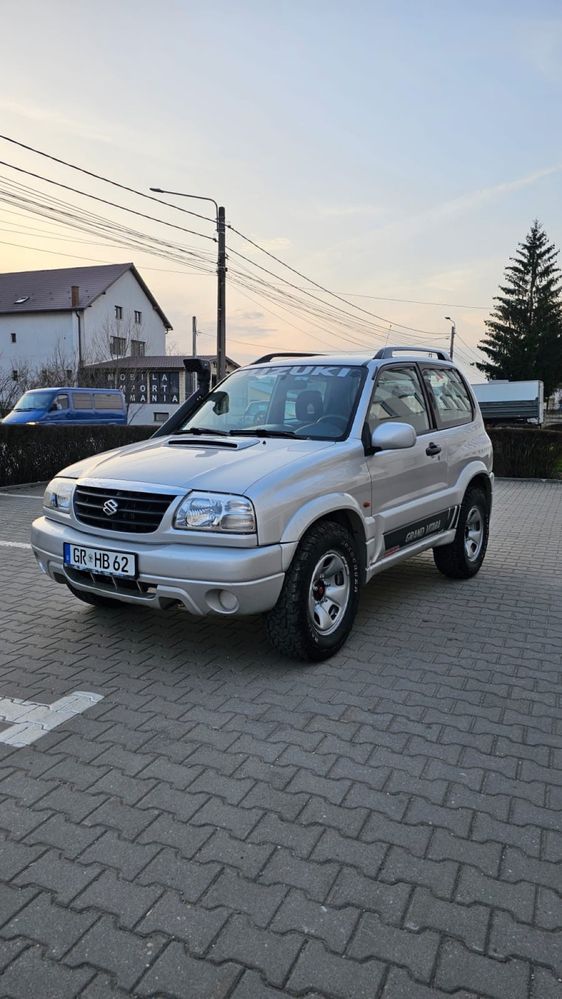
203,579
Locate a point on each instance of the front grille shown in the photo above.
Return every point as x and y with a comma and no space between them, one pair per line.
137,513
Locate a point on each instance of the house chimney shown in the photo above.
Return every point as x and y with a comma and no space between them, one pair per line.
75,296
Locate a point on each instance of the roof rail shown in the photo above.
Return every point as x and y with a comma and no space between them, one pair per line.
443,355
298,353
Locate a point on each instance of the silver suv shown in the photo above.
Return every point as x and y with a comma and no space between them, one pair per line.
281,491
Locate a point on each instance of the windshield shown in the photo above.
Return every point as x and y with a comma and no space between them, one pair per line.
299,400
33,400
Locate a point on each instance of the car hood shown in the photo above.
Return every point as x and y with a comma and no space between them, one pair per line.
222,465
25,416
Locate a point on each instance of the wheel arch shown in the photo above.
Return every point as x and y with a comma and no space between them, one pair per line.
482,481
341,512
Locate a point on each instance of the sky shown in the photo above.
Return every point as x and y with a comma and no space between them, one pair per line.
387,151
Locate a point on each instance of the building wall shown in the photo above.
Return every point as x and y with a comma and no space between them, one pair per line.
39,337
100,322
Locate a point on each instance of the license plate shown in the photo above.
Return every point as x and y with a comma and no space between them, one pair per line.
100,560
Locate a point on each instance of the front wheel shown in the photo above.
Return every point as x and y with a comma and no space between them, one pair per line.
320,595
464,556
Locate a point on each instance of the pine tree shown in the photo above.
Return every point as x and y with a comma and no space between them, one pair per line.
524,331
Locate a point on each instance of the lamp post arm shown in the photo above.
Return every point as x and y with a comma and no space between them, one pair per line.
182,194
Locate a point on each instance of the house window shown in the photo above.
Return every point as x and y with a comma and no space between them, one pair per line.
118,311
137,348
118,346
160,417
138,316
14,375
13,336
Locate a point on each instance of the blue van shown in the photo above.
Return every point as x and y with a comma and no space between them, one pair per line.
69,406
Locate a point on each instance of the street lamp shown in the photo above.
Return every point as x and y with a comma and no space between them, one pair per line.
221,275
453,334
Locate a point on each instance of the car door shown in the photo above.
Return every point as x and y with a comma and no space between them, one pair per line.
408,484
453,410
83,407
59,409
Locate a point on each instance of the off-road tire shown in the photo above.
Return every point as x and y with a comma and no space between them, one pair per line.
289,625
94,599
452,560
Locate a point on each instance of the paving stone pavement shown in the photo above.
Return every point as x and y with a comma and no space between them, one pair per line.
225,824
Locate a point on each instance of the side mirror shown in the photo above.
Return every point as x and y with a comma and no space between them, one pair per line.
393,436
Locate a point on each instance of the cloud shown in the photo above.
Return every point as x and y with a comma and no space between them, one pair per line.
346,211
54,118
249,316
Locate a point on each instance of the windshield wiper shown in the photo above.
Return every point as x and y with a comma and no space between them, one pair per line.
202,430
262,432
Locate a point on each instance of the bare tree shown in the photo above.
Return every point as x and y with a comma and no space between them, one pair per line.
115,340
14,381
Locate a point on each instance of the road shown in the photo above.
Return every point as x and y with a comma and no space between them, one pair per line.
218,822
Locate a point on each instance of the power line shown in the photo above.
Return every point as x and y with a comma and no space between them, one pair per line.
104,201
413,301
315,283
107,180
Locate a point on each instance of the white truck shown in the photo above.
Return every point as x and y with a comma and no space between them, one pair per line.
505,402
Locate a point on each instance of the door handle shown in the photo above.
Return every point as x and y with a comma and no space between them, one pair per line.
432,449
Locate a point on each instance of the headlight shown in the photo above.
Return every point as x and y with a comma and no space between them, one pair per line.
215,512
58,495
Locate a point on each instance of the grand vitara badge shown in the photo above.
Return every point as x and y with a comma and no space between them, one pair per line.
110,507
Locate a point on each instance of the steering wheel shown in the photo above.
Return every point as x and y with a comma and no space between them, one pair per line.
340,421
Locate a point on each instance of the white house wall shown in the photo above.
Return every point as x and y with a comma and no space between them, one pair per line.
39,337
100,317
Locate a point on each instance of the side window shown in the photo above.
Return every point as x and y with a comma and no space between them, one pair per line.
107,400
59,403
452,403
82,400
398,396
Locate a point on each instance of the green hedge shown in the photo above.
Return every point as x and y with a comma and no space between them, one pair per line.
526,452
34,454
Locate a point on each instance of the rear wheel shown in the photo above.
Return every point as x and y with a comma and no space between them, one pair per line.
94,599
320,596
464,556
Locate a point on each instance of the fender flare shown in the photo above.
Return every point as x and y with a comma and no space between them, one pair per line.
320,507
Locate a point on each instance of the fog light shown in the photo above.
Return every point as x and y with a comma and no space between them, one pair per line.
227,600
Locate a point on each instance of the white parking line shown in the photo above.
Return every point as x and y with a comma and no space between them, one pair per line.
14,544
30,720
39,496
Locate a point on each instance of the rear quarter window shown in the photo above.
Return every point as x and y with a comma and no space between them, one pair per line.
450,397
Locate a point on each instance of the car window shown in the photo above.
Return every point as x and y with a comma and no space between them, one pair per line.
452,403
82,400
398,396
299,400
60,402
107,400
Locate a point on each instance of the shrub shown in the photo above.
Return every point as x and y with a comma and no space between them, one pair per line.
34,454
526,452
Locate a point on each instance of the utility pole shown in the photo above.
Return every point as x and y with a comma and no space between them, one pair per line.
221,295
453,334
194,336
221,274
194,350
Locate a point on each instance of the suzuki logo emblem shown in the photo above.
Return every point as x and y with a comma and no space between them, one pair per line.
110,507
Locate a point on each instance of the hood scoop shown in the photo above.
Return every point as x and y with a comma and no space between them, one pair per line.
218,442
